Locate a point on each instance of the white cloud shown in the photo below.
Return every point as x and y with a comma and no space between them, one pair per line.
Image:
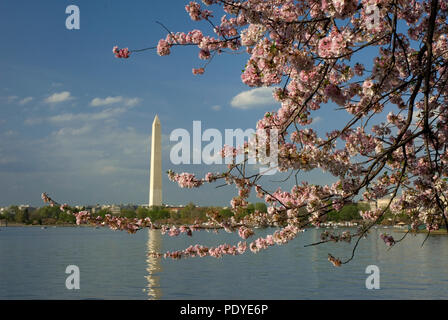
128,102
417,115
59,97
254,98
108,169
10,133
74,131
62,119
216,107
97,102
103,115
7,159
105,150
25,100
317,119
12,98
132,102
33,121
109,162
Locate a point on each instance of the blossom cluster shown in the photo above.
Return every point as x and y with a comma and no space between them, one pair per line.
388,239
314,54
121,53
203,251
245,232
185,180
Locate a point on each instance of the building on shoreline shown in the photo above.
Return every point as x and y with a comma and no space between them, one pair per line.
380,203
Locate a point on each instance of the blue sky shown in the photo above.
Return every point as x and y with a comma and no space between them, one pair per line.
60,134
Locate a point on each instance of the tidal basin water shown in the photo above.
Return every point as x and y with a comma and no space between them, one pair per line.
115,265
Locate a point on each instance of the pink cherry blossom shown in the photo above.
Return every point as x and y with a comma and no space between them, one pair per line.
380,64
121,53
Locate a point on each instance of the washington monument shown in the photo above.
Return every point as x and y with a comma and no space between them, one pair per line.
155,180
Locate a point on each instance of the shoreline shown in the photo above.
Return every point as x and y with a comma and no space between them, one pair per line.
435,232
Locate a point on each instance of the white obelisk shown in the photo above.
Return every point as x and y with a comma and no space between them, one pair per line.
155,180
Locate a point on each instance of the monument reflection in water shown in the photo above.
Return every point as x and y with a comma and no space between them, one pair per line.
155,199
154,265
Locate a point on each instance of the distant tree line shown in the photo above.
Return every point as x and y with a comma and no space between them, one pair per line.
41,216
185,215
349,212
